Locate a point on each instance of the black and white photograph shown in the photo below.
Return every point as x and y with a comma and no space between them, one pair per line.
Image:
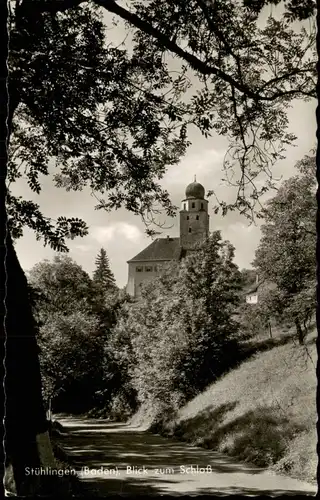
159,192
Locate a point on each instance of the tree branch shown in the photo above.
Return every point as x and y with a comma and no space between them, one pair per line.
214,29
194,62
47,5
295,71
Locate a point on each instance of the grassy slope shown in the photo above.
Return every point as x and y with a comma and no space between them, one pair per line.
263,412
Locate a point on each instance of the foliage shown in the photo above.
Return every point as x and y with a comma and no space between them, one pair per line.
91,110
64,286
107,298
248,72
286,254
293,9
180,335
115,117
258,320
122,404
254,318
74,322
70,358
248,277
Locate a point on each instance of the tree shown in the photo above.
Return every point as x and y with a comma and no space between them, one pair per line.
180,335
64,286
286,253
68,94
245,90
249,277
74,319
245,87
64,307
71,358
103,276
257,319
212,282
126,138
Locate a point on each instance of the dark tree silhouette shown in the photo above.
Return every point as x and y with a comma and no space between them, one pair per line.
102,275
61,76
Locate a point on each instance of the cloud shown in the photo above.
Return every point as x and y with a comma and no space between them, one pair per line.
129,231
82,248
104,234
242,227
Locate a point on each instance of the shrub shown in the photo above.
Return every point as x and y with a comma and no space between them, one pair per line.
120,408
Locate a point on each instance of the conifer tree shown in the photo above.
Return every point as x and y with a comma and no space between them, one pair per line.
103,275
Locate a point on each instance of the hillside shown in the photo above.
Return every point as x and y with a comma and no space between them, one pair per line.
263,412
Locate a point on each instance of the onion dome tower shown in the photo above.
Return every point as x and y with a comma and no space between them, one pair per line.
194,217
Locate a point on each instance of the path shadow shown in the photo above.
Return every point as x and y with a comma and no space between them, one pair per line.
258,436
96,443
255,346
242,491
103,489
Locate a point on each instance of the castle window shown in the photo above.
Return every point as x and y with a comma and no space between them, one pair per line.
184,206
187,217
189,229
197,217
148,269
201,206
193,205
139,269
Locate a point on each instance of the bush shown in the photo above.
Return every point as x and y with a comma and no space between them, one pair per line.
296,461
120,408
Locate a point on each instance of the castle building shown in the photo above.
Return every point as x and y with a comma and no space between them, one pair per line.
194,228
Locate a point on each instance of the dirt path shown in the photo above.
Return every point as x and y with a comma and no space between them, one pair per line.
120,459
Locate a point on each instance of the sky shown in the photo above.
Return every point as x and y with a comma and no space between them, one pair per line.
122,234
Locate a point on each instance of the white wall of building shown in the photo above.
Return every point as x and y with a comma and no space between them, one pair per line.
252,299
140,272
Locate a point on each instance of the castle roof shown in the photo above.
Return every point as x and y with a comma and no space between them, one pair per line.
165,249
195,190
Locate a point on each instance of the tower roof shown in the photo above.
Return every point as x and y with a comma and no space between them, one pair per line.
195,190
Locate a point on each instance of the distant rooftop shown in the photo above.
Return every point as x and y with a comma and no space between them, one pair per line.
263,283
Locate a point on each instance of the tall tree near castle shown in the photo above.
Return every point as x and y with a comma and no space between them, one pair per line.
286,254
102,275
61,76
181,334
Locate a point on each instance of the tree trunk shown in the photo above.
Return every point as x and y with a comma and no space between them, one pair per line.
300,333
25,436
25,419
49,411
270,329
